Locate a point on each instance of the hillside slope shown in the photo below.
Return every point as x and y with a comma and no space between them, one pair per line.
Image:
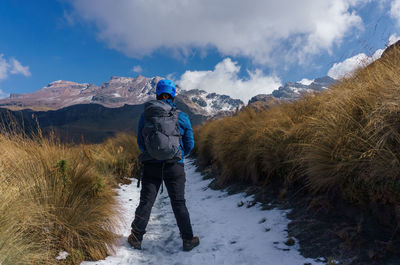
91,122
337,151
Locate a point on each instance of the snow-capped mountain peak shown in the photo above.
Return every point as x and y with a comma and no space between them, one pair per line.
293,90
117,92
207,104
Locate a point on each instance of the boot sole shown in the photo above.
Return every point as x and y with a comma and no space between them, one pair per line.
136,247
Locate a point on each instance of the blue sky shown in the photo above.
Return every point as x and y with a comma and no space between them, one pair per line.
239,48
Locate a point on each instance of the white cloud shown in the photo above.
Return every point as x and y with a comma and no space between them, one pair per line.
395,10
255,29
393,39
12,66
137,69
348,66
3,94
69,18
18,68
224,79
4,66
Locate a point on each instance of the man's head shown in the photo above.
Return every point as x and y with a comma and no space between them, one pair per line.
165,89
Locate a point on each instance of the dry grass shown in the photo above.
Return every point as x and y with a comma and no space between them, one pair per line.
55,198
259,145
355,143
118,155
345,141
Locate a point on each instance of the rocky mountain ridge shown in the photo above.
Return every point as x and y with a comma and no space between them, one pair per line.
120,91
115,93
291,91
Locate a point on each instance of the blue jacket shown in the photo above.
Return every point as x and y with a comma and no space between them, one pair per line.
185,128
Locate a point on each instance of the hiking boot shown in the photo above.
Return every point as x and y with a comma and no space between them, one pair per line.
188,245
134,241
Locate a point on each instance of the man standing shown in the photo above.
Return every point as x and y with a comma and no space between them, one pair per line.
165,136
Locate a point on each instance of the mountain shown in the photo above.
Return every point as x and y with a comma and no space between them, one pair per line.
74,110
291,91
263,101
115,93
92,123
204,103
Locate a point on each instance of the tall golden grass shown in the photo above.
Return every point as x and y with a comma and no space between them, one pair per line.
118,155
55,197
345,140
255,146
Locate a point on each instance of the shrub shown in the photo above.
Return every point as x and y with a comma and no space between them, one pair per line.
255,146
117,156
355,140
55,197
344,141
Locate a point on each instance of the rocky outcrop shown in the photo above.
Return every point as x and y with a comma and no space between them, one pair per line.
263,101
293,90
209,104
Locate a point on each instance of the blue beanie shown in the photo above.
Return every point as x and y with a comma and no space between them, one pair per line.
166,86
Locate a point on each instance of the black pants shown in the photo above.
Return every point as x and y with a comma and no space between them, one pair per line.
173,175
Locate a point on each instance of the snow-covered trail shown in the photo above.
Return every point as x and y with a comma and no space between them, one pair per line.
229,234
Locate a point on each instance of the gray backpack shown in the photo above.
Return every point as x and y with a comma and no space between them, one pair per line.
161,132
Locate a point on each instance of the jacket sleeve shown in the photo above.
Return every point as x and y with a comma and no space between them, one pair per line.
187,137
140,140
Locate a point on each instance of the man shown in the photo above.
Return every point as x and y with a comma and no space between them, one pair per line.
165,136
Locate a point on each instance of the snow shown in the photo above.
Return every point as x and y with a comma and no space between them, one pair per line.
296,90
124,80
65,82
81,100
62,255
228,234
214,105
300,90
306,81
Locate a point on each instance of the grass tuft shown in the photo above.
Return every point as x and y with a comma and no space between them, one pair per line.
343,142
55,197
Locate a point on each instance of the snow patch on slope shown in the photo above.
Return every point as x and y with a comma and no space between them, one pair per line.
209,104
81,100
306,81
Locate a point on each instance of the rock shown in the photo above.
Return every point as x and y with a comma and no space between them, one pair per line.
290,242
294,90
